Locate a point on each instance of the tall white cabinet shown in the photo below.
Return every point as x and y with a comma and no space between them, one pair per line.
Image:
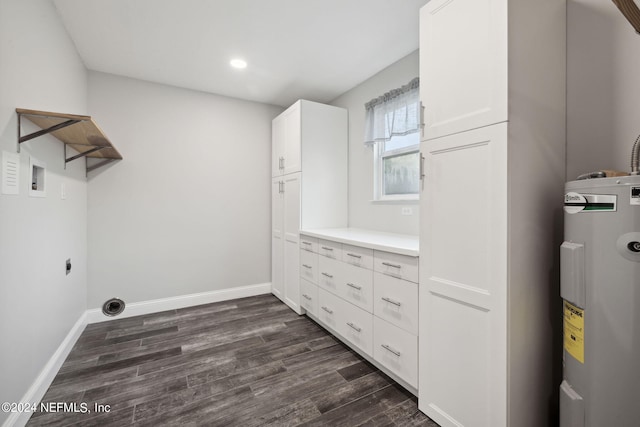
492,76
309,186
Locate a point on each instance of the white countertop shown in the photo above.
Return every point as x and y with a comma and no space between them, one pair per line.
404,244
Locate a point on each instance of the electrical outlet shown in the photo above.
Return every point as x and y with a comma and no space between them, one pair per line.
68,266
407,211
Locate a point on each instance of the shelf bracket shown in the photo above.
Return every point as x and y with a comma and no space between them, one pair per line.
25,138
77,156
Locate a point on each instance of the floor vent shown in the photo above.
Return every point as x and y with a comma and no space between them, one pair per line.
113,307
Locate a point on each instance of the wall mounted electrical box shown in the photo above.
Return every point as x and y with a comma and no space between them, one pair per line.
38,174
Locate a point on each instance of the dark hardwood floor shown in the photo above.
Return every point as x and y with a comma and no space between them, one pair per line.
246,362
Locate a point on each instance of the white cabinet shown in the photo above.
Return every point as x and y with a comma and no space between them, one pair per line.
493,87
309,140
463,67
376,313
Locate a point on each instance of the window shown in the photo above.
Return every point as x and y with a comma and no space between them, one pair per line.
392,125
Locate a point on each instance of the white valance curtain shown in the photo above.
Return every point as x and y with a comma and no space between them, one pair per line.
397,112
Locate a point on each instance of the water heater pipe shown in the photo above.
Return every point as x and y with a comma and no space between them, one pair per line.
635,157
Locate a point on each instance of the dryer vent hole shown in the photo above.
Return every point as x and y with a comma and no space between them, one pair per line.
113,307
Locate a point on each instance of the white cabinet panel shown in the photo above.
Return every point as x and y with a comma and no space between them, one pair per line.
464,278
277,239
309,266
356,286
329,274
330,249
309,297
396,301
277,146
397,350
355,255
400,266
356,326
309,243
329,310
463,65
293,140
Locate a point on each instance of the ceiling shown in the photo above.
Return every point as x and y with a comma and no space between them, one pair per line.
312,49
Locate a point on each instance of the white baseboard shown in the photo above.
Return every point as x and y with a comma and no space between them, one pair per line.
40,386
95,315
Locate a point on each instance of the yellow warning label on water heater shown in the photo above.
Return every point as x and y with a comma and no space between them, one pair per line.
574,331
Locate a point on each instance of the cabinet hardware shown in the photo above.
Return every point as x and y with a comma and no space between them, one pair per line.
354,255
306,243
354,327
281,163
307,296
351,285
327,310
306,266
422,119
386,347
390,301
327,249
392,265
421,167
327,275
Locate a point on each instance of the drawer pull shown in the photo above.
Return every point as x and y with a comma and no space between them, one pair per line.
327,275
386,347
306,266
354,255
354,327
306,243
351,285
390,301
327,249
307,296
327,310
392,265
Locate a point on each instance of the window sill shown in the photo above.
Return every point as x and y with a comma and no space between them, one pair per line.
407,201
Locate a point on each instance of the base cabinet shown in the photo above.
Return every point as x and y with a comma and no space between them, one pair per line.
374,313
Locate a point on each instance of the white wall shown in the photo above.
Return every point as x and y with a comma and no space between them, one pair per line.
603,87
362,212
188,210
39,69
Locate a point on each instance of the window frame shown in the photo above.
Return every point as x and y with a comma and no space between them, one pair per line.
380,154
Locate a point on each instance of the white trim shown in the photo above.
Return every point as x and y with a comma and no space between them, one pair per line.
39,387
95,315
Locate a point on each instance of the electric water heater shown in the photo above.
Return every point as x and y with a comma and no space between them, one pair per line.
600,288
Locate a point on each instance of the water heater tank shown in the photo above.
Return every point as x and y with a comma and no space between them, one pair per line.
600,288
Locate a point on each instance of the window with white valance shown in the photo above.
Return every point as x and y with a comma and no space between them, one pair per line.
392,125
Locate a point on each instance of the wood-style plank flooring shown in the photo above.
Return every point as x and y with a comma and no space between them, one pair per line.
246,362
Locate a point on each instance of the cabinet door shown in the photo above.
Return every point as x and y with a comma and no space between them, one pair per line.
293,139
463,279
463,65
277,145
291,230
277,238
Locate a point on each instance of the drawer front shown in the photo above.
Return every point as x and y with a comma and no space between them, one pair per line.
330,249
309,297
329,274
356,286
309,266
309,243
355,255
329,307
400,266
396,301
356,325
397,350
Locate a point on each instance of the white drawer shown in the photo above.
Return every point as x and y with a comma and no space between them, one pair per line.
330,249
396,301
329,274
309,266
329,307
400,266
355,255
397,350
309,297
356,286
356,325
309,243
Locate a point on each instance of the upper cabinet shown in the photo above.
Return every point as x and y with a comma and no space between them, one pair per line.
463,65
287,142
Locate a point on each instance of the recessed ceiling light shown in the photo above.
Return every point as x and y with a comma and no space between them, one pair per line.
238,63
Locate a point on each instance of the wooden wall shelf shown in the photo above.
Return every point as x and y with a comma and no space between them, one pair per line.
78,132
